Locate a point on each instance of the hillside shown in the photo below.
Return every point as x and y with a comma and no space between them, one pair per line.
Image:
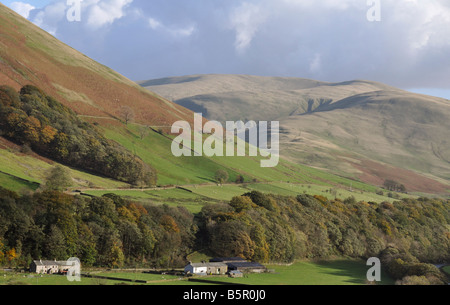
29,55
364,129
96,94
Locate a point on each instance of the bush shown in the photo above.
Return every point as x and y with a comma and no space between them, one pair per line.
221,176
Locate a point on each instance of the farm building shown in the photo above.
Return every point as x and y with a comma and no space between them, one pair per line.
240,264
246,267
205,268
236,273
50,267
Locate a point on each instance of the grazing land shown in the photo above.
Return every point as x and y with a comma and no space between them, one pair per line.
334,272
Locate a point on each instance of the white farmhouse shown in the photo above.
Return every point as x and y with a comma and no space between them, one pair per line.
206,268
50,267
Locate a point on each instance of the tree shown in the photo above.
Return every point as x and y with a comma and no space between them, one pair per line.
58,179
239,179
55,246
221,176
127,114
241,203
144,131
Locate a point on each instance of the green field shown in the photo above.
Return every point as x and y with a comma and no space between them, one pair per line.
20,171
212,193
155,148
337,272
26,171
171,197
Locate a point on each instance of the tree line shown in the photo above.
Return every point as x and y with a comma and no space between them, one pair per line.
406,235
37,121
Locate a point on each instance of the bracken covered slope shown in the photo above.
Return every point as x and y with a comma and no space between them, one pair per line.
29,55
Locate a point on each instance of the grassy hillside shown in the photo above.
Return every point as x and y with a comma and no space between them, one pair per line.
97,94
29,55
365,130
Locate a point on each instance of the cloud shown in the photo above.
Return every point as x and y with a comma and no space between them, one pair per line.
316,64
245,20
49,17
174,31
22,9
106,12
154,24
330,40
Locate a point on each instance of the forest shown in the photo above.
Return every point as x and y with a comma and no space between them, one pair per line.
38,122
109,231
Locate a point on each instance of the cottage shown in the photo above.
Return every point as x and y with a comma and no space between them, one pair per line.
206,268
50,267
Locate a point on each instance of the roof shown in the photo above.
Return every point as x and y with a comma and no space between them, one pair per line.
51,263
211,264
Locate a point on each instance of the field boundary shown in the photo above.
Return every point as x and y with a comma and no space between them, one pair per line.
215,282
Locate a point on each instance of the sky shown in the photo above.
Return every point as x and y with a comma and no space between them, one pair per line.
402,43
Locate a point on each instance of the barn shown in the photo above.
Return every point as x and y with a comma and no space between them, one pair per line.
205,268
240,264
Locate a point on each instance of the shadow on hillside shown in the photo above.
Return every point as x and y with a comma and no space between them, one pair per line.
356,271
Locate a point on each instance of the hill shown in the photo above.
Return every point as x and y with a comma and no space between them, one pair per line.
29,55
367,130
92,93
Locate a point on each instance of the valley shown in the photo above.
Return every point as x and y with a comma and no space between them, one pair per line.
87,170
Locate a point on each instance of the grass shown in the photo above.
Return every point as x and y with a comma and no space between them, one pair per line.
337,272
15,184
155,149
139,276
446,269
211,193
312,189
20,171
25,171
334,272
171,197
9,278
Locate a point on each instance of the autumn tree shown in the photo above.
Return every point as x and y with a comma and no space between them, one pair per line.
127,114
58,179
221,176
241,203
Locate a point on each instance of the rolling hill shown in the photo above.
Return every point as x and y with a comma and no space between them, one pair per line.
367,130
29,55
96,95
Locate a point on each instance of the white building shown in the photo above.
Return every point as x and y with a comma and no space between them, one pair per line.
50,267
206,268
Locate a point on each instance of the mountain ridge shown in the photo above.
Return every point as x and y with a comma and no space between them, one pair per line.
328,124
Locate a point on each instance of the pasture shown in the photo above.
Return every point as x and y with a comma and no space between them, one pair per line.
332,272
